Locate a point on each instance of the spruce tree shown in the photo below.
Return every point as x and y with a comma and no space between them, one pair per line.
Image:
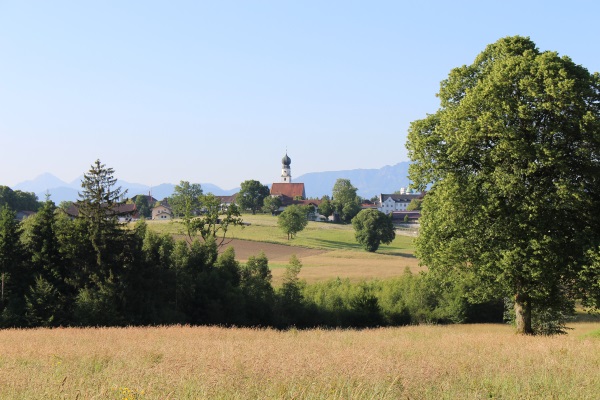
98,205
13,273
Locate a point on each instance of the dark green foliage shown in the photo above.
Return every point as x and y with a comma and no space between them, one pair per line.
98,206
326,208
408,299
143,208
17,200
291,307
256,287
271,204
511,158
251,196
43,304
15,274
52,283
345,200
372,227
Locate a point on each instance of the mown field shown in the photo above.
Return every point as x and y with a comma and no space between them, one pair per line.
326,250
417,362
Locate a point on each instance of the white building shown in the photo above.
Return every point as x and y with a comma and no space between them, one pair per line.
396,202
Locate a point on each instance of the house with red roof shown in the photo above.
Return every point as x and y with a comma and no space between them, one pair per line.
290,192
285,189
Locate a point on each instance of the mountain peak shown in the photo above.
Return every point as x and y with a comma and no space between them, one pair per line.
41,183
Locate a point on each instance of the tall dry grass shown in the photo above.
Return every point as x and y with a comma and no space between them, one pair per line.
452,362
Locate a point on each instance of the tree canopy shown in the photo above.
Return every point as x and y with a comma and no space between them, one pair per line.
18,200
251,196
293,220
185,200
513,159
372,227
345,200
414,205
271,204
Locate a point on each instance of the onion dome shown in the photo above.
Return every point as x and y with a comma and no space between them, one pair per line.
286,160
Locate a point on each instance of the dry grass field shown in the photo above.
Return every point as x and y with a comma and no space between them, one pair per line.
420,362
417,362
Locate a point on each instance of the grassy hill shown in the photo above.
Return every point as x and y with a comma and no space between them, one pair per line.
335,251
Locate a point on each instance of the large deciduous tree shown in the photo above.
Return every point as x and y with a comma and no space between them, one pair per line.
251,196
372,227
186,200
326,208
513,159
271,204
293,220
345,200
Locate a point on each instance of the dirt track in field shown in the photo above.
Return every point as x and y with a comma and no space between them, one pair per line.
276,253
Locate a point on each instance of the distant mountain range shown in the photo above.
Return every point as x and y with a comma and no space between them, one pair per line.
69,191
370,182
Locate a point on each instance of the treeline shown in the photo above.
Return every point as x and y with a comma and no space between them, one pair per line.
18,200
93,271
53,275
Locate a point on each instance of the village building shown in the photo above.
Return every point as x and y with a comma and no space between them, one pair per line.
290,192
227,201
389,203
125,212
22,215
162,211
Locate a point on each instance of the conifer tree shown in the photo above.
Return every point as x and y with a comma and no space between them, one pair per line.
98,205
14,277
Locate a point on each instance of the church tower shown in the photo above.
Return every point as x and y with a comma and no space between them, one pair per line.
286,171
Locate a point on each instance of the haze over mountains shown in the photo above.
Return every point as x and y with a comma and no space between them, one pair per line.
370,182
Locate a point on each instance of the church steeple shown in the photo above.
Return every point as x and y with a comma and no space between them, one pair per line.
286,171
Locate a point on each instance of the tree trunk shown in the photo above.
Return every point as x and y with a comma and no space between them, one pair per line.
523,314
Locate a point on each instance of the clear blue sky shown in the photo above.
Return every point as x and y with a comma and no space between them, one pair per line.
164,91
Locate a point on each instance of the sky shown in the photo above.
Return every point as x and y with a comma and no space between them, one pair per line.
218,91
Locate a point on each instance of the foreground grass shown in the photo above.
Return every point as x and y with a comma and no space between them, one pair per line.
467,362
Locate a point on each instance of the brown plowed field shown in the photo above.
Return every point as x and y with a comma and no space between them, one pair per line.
276,253
319,265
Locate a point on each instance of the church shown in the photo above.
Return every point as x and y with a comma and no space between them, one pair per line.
287,190
292,193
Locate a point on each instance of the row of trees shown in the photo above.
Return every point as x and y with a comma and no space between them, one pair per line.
18,200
